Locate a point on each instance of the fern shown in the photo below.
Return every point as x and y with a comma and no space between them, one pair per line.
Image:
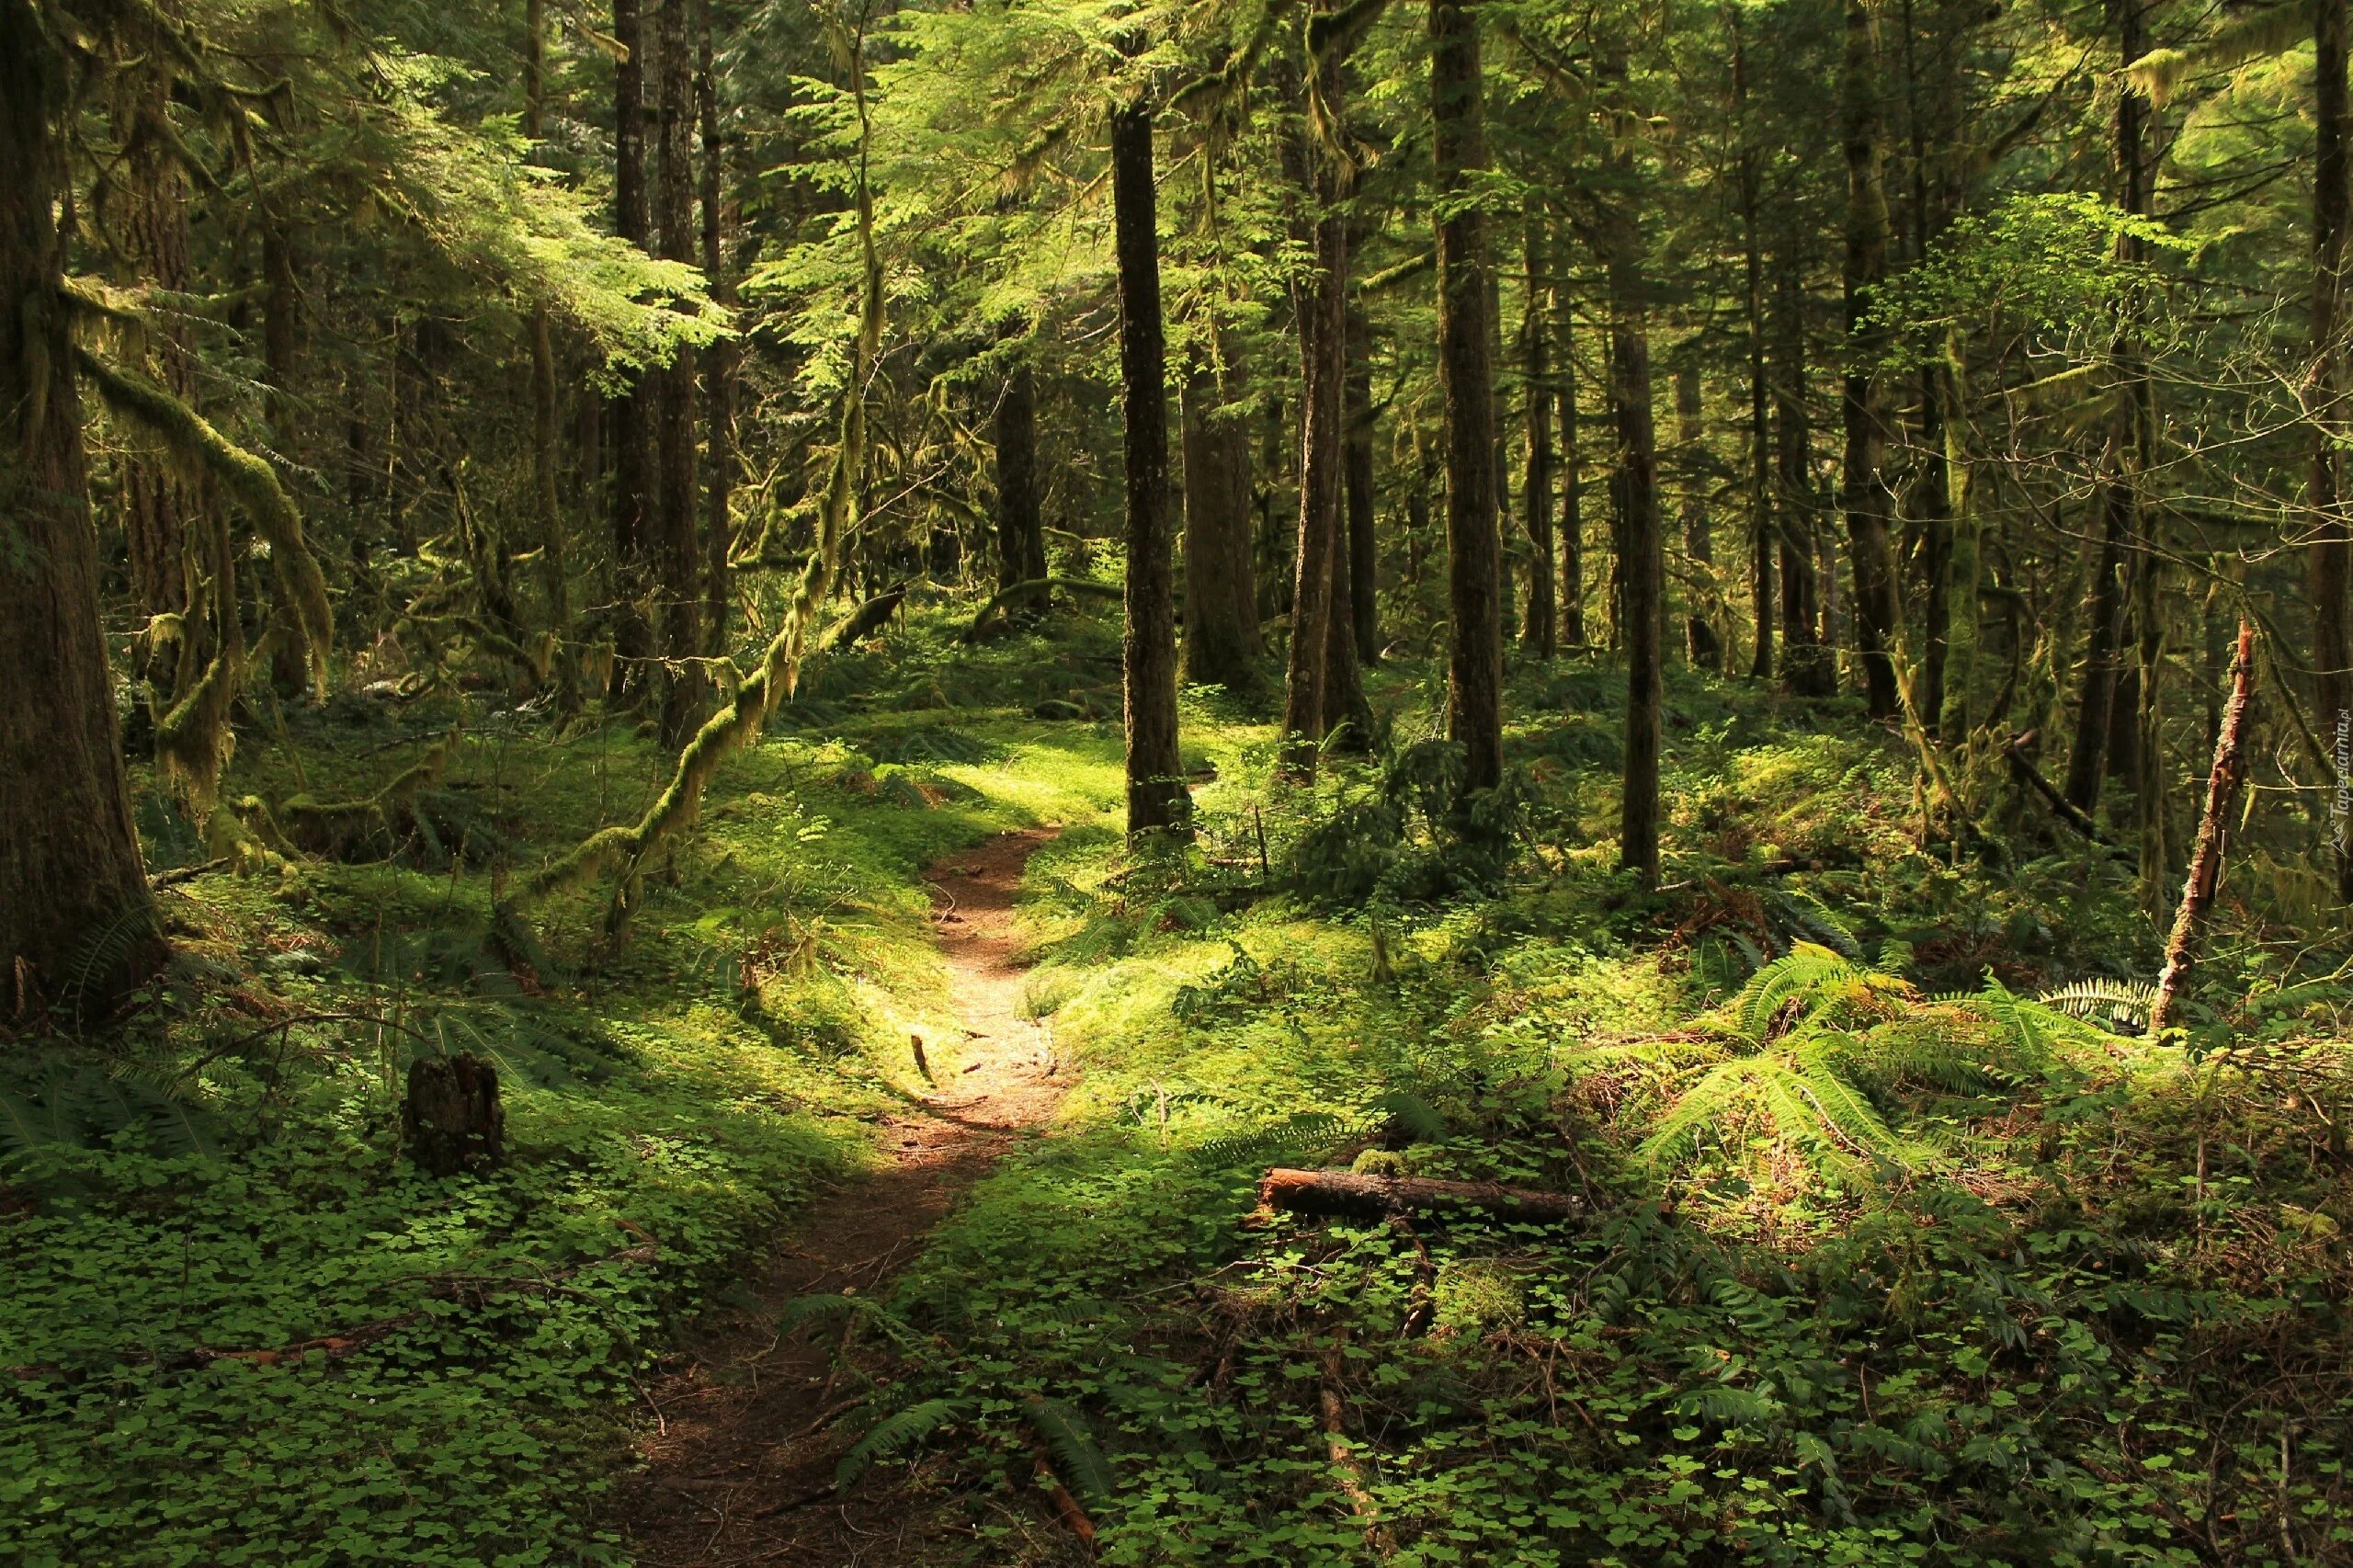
895,1436
1080,1461
1410,1114
2106,1002
1805,968
1810,916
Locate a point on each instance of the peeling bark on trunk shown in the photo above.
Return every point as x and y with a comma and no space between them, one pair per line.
2206,859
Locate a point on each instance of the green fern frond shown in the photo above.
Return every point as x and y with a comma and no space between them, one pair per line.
1081,1462
895,1436
1843,1112
1411,1115
1810,916
1806,967
2110,1002
1697,1110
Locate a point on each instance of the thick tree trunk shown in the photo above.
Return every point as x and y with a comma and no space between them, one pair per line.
680,570
1320,304
1865,492
1538,631
1966,567
1466,373
1156,797
2330,567
2087,759
1222,641
1643,564
555,572
631,443
720,361
1020,533
1702,643
163,504
1807,669
70,868
1364,547
451,1121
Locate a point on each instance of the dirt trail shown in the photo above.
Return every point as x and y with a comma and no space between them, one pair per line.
741,1448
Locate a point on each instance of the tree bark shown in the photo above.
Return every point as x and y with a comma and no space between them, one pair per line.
681,579
70,868
1156,784
1538,631
630,438
1572,588
1020,533
2206,859
1761,532
1364,545
451,1121
555,573
1807,669
721,360
1642,563
1866,495
2330,556
1702,643
1320,305
1222,640
1466,373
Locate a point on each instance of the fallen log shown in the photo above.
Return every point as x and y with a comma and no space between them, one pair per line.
1358,1196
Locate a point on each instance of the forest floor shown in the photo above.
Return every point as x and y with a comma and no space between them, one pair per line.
738,1466
2041,1289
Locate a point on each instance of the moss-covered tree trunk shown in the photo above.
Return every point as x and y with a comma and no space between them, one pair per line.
1157,800
1466,373
70,866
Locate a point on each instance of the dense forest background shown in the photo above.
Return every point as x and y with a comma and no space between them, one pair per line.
1701,654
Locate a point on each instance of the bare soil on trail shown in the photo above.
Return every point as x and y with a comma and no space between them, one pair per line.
740,1451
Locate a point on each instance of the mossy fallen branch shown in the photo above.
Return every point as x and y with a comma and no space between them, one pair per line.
1004,599
249,481
334,828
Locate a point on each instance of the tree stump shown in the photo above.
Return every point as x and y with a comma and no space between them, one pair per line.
451,1121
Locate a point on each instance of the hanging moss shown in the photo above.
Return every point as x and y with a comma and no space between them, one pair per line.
250,482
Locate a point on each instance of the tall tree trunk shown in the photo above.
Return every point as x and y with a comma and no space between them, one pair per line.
555,570
1807,669
2330,567
1466,373
163,504
1572,593
1156,797
1364,545
1222,641
2091,760
1020,533
1967,566
1865,490
678,564
1643,564
1702,642
1320,305
1538,631
721,359
69,857
1761,535
631,443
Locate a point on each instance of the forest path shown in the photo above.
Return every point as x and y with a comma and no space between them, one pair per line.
737,1467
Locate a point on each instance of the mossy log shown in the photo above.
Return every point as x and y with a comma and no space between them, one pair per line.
1360,1196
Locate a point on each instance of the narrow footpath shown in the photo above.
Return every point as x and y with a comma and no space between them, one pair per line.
739,1452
